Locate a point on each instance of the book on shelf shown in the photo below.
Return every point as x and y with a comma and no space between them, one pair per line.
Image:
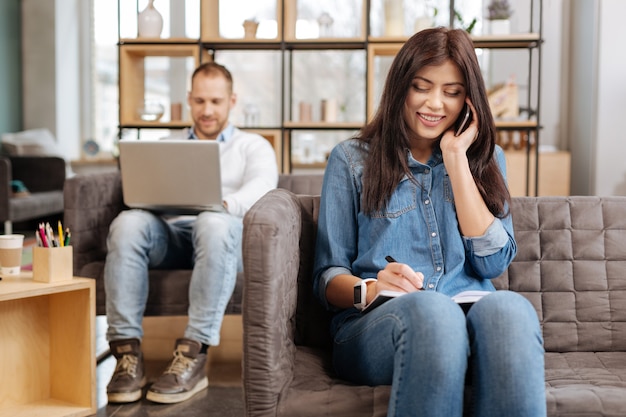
462,298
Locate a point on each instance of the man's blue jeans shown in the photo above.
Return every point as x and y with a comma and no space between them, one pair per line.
422,344
139,240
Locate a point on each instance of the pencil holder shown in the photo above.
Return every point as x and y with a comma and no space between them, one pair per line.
52,264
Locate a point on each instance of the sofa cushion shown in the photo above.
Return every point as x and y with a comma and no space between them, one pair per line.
301,183
315,384
168,294
585,383
36,205
33,142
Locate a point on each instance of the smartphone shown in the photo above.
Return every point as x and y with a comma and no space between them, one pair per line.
463,121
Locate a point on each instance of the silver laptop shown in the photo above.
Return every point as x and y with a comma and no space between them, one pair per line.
171,176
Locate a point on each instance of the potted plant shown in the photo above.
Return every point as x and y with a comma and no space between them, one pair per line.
467,27
499,10
499,13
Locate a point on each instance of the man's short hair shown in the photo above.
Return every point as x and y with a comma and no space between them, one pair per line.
213,69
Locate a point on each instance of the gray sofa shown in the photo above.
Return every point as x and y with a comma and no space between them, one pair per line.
92,201
571,265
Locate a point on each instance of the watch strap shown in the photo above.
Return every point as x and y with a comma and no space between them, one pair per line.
360,293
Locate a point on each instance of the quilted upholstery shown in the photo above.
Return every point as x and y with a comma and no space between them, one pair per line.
570,265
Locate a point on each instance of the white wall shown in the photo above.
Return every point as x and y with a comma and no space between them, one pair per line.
51,78
39,64
610,131
581,100
596,101
552,74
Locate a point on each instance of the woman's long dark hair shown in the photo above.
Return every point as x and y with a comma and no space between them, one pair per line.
388,134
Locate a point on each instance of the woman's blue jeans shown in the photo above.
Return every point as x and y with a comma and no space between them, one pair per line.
138,240
422,344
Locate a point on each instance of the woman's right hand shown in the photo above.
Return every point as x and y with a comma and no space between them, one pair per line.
399,277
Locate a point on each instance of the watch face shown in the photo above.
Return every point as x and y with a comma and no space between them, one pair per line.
357,294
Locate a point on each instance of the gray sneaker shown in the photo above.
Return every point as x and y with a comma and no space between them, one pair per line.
184,377
129,377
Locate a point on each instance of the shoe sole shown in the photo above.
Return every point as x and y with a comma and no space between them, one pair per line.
164,398
126,397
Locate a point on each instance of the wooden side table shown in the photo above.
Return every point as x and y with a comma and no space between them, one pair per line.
47,347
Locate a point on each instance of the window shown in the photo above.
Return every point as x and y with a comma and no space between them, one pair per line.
103,79
108,21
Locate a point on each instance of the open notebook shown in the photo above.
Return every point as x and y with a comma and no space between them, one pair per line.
171,176
464,298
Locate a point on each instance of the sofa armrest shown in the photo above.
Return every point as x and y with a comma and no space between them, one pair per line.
271,257
91,202
39,173
5,187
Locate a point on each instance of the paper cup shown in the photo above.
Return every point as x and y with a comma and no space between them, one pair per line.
11,254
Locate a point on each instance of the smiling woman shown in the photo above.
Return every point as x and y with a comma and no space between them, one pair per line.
408,187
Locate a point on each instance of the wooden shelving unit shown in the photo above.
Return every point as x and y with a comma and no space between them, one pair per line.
289,45
47,351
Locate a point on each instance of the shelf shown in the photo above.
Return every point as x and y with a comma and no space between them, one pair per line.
391,45
92,165
300,44
314,165
396,40
156,125
133,77
48,362
516,125
210,22
327,43
158,41
254,44
134,51
293,62
518,40
514,40
322,125
86,162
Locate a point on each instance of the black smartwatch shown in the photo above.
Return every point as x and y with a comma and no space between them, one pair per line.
360,293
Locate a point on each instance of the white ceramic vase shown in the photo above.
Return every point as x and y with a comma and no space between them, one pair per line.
149,22
394,17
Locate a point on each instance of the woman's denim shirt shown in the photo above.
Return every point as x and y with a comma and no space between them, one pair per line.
419,227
